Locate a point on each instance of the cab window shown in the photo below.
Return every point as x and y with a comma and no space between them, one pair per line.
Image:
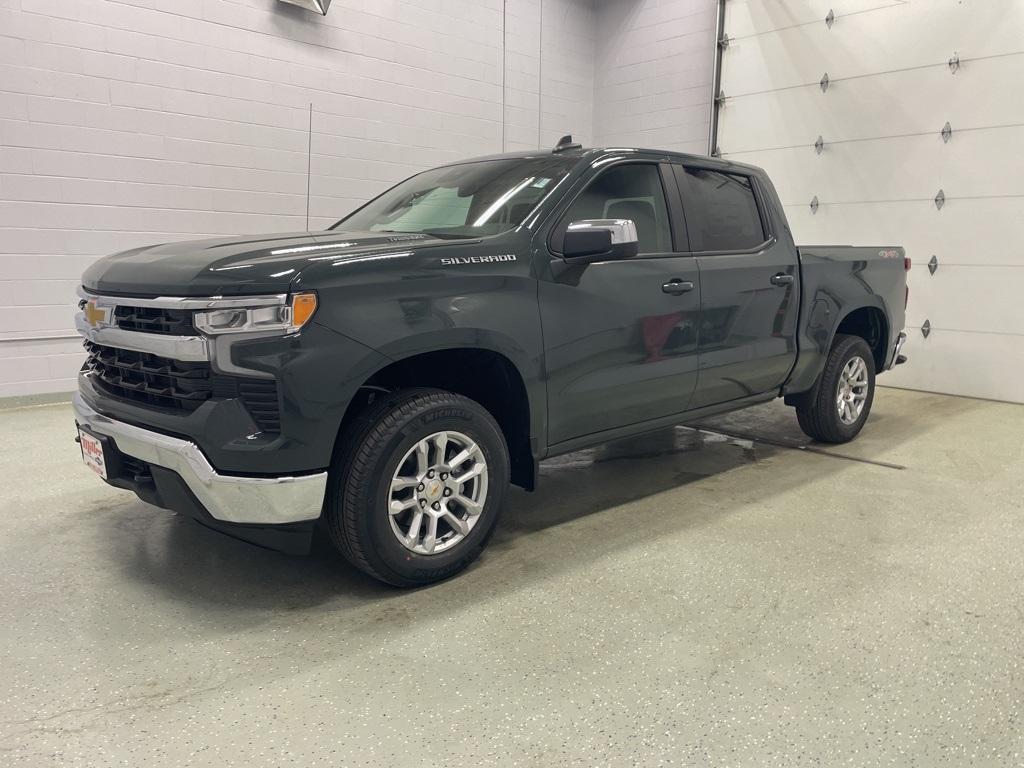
631,191
721,210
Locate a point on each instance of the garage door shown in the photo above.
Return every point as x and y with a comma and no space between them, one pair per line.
919,108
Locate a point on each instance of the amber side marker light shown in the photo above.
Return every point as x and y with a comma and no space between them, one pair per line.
303,307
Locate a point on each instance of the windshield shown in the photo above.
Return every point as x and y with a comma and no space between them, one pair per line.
467,200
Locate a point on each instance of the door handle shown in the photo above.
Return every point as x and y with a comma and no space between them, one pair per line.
781,279
677,287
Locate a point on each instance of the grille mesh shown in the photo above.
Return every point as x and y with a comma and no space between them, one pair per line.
168,322
178,386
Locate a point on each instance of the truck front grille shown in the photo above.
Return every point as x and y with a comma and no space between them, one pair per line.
174,385
148,379
168,322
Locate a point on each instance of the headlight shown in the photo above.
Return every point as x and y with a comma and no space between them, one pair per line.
280,318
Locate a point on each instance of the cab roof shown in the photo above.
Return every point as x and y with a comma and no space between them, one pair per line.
592,154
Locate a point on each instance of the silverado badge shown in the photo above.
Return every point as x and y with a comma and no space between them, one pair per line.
456,260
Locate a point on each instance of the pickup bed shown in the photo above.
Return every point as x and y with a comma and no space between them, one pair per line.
386,379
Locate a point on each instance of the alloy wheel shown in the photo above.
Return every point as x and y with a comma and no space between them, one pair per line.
852,391
438,492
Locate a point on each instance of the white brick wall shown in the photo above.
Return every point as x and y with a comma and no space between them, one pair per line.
653,73
128,122
549,43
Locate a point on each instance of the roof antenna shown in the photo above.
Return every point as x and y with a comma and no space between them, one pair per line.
566,143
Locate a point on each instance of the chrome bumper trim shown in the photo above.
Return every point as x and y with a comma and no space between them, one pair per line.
258,500
186,348
184,302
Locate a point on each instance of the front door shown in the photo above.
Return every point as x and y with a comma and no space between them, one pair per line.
750,287
621,336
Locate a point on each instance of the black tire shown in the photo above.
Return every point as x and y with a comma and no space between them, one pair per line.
359,492
818,412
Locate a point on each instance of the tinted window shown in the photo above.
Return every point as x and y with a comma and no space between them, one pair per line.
628,192
721,213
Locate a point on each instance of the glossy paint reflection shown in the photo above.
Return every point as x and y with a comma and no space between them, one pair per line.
619,349
748,323
591,481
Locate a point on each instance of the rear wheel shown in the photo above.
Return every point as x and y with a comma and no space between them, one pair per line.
417,488
836,410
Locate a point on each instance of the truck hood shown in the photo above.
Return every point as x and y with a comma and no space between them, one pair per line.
234,265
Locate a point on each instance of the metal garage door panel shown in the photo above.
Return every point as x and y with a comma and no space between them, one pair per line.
890,93
968,299
900,37
965,232
901,169
749,17
919,101
961,363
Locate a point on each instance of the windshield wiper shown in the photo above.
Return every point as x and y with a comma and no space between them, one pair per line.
448,235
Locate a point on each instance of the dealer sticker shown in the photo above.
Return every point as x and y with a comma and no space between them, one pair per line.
92,453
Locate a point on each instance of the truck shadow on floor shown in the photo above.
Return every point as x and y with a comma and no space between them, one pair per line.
179,555
590,504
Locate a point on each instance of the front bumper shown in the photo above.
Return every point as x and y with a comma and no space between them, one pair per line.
226,498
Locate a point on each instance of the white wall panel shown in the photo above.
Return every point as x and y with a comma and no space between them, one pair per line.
654,73
912,34
568,44
914,102
962,363
883,160
979,232
959,290
900,168
746,18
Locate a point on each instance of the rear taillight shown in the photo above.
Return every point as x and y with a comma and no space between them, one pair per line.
906,263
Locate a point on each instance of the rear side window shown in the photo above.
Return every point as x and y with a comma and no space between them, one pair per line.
721,212
631,191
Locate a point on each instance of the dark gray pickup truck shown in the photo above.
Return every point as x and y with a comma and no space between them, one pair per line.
387,379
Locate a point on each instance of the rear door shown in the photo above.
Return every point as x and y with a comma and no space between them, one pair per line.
620,336
749,286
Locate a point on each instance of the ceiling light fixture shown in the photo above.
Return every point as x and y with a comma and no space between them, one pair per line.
320,6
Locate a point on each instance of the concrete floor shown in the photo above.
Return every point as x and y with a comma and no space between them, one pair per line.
680,599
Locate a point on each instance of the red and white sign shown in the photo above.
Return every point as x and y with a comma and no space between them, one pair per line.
92,453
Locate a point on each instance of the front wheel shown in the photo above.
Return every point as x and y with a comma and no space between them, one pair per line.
417,488
836,410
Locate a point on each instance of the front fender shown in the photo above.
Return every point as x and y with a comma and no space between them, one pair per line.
423,306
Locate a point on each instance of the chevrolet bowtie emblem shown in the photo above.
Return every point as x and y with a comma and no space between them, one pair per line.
93,314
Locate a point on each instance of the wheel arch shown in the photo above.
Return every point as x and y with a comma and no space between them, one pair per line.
867,319
871,324
486,375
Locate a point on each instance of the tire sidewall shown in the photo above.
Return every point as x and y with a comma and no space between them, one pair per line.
386,552
845,351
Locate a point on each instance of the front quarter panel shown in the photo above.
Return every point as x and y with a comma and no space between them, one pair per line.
404,302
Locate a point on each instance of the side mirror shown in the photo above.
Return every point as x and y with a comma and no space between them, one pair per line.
600,240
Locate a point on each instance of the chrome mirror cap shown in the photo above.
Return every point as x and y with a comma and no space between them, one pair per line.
593,240
622,231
